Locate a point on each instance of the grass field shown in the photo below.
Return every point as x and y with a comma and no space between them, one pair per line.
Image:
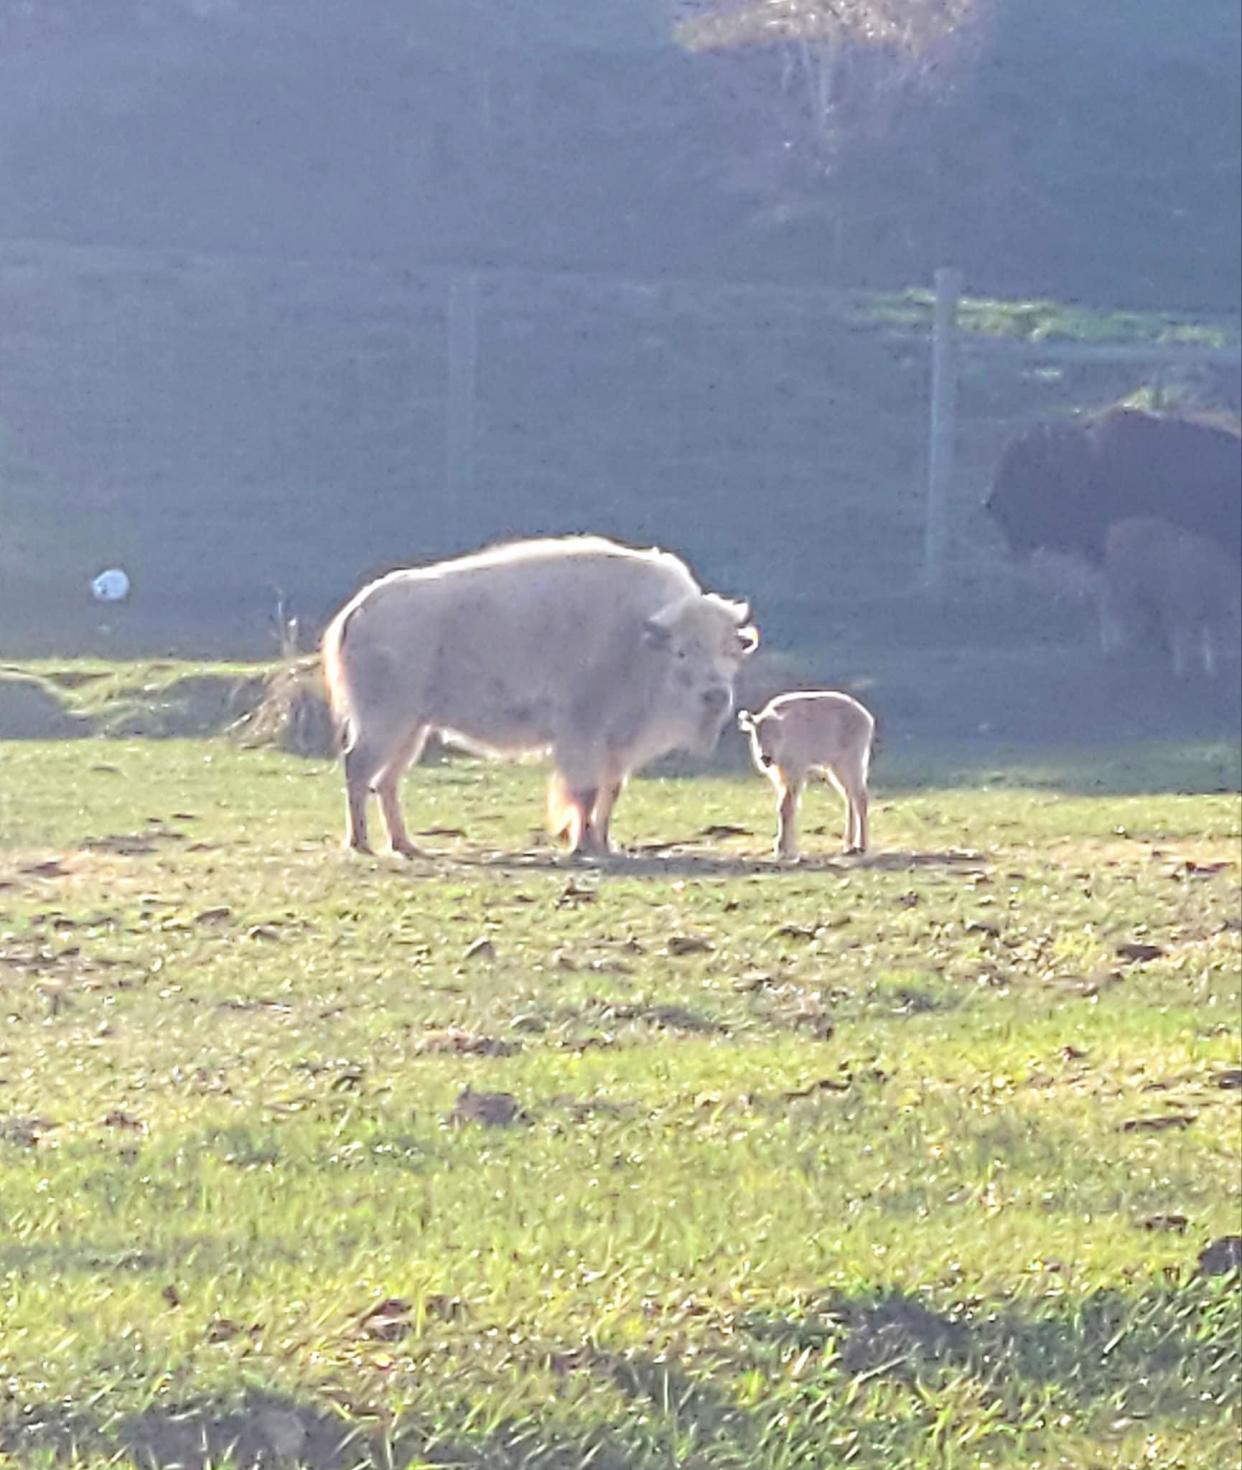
492,1161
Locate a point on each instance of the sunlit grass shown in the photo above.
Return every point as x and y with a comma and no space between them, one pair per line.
898,1164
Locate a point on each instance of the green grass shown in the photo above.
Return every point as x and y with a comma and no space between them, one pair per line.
1042,320
815,1167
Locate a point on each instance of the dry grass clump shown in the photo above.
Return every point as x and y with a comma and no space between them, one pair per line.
293,713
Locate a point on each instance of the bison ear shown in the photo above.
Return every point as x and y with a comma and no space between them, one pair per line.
656,634
746,721
748,638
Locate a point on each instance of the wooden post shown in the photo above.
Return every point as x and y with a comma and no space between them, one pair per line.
943,425
463,363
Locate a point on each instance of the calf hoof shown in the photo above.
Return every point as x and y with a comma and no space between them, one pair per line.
853,851
352,844
407,850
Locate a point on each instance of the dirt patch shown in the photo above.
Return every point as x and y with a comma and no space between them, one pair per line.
30,709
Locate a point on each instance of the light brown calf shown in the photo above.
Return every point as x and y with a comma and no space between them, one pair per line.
813,733
1161,581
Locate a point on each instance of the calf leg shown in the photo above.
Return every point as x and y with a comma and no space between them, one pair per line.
851,784
856,796
388,787
789,794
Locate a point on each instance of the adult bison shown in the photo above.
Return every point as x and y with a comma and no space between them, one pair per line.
1059,486
605,656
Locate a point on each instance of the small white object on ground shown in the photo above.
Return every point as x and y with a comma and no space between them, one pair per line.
110,586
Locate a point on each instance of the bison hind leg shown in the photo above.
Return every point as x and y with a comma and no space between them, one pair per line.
372,753
387,788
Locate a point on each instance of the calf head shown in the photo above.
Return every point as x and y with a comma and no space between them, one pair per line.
700,642
764,733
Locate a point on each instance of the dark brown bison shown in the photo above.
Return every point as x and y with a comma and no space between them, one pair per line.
1059,486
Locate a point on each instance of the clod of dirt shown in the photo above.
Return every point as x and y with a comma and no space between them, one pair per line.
1221,1256
119,1119
1072,1053
224,1329
1231,1078
170,1295
824,1084
797,931
491,1109
127,844
1160,1123
682,944
214,916
389,1321
575,893
481,949
26,1131
1166,1222
723,829
1139,953
455,1042
48,868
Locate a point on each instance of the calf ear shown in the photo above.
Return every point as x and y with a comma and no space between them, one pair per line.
748,638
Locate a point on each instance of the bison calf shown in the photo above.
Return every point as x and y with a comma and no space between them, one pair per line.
821,733
1165,581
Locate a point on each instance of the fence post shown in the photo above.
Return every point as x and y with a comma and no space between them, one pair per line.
459,422
942,431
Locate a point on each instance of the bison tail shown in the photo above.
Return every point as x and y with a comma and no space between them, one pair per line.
560,808
334,676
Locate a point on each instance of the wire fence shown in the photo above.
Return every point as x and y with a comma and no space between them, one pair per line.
222,427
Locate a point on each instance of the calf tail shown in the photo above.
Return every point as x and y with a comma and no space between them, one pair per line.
335,677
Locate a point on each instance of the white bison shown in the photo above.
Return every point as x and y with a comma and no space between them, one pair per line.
816,732
604,656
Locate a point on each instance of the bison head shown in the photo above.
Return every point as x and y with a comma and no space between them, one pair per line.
1044,493
700,642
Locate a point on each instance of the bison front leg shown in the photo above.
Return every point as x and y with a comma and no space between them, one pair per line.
601,817
570,807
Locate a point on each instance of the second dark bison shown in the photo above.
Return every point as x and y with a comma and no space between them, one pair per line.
1059,486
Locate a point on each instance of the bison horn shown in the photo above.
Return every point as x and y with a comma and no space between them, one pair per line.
656,634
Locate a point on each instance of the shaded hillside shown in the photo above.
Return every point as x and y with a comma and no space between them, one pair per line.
1079,150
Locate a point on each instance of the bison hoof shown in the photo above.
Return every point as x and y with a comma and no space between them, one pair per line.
853,851
365,848
407,850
